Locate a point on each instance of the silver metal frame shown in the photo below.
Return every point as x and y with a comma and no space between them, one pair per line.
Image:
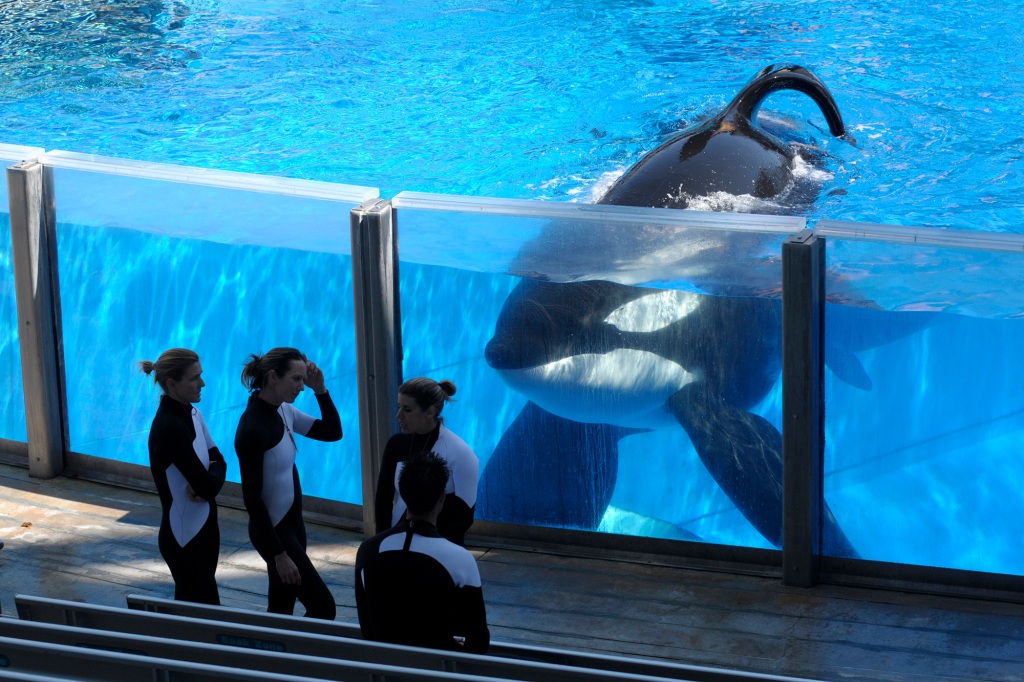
378,338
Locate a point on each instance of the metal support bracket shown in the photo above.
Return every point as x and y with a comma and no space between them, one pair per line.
378,338
803,427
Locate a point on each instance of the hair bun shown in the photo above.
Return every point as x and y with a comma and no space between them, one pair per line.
448,386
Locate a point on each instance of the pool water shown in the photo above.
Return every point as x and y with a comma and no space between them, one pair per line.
545,101
542,100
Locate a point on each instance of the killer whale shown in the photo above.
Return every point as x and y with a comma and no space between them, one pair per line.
729,153
599,361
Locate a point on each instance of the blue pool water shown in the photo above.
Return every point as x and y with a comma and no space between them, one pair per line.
536,100
542,101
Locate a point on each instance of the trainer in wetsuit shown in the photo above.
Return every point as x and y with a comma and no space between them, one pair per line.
414,587
420,402
188,471
265,444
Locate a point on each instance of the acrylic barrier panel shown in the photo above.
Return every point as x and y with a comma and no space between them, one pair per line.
12,401
924,408
129,294
562,242
584,399
895,267
196,203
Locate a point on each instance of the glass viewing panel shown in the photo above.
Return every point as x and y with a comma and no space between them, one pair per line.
12,401
588,343
924,414
149,260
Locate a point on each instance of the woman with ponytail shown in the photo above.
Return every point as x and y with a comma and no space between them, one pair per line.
265,444
188,471
420,402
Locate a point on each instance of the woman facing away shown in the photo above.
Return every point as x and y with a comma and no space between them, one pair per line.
420,402
265,444
188,471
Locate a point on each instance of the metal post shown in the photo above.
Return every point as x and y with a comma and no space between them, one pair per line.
34,251
378,338
803,428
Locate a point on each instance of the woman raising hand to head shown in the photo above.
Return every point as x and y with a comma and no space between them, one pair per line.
266,447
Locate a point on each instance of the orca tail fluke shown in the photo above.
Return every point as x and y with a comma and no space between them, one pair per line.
777,77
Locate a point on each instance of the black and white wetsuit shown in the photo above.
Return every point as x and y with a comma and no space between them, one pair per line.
413,587
265,444
460,500
181,455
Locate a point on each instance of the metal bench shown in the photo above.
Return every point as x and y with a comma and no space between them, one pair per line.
213,655
246,636
22,656
576,659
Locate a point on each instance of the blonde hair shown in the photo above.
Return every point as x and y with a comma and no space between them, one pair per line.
172,364
429,393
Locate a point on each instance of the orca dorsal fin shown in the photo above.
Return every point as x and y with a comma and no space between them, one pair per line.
777,77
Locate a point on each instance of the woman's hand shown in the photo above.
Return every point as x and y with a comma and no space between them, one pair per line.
315,378
287,570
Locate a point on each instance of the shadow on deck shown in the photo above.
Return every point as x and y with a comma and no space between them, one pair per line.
72,539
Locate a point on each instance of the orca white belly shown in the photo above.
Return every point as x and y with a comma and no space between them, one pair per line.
623,388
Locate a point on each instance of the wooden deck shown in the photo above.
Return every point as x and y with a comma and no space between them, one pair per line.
72,539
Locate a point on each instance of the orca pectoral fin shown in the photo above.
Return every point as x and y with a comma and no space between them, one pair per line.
847,368
743,453
833,540
550,471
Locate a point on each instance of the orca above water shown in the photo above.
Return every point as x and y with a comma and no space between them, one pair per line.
599,361
729,153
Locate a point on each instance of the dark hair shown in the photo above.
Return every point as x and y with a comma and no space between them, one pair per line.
172,364
257,367
422,481
429,393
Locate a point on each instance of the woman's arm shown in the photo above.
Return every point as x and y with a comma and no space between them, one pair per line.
172,442
465,470
328,427
458,511
471,616
384,499
204,483
251,447
455,519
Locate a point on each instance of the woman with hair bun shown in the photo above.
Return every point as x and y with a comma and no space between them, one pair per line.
265,444
420,402
188,471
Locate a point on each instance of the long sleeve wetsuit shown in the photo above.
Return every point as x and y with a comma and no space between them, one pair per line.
265,444
460,499
413,587
182,455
